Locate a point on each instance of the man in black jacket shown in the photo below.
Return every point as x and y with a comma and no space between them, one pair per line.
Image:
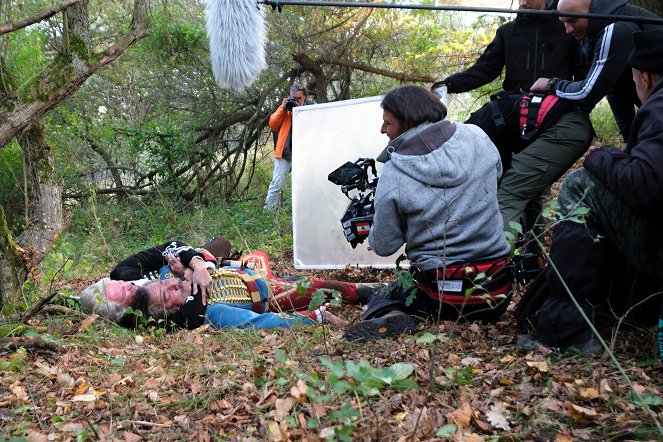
620,195
610,44
529,47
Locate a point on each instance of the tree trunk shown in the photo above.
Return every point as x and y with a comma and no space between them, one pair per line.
20,118
45,216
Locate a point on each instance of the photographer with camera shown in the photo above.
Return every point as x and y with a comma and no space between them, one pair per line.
281,121
437,194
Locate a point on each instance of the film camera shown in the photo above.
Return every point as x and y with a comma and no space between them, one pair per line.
358,181
292,102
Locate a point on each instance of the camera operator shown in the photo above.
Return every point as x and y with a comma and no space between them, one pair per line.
281,121
437,194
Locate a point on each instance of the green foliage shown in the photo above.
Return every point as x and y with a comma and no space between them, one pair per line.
605,125
347,382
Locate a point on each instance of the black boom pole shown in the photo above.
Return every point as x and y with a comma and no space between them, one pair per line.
553,12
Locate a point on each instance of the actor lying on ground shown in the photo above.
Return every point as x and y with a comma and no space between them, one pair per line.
437,194
609,259
188,287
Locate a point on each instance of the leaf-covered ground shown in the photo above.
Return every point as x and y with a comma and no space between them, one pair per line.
90,380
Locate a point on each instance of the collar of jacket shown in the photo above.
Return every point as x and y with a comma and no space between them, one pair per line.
419,140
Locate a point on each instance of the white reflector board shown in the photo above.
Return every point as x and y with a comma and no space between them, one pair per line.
325,136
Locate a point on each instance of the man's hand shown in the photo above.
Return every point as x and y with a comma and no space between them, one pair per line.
175,265
285,100
200,279
539,85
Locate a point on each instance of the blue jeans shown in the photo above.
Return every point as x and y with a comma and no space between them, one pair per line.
222,315
281,170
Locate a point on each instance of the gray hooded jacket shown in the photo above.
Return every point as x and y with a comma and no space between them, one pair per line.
437,194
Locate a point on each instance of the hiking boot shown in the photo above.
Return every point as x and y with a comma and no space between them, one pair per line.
365,291
391,324
589,348
529,343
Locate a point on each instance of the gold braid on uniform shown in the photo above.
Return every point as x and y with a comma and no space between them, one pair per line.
228,287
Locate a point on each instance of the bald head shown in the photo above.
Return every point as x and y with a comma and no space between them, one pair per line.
575,26
574,5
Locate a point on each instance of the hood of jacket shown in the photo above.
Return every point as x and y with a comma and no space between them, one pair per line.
436,154
602,7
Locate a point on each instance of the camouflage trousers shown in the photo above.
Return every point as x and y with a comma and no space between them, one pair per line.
637,235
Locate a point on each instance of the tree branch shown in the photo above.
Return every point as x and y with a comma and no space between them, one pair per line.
421,78
4,29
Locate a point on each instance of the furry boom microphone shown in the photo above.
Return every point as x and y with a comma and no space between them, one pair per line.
236,32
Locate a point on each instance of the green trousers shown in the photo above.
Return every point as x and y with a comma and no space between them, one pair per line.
542,163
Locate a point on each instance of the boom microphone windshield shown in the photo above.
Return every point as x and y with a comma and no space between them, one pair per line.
236,32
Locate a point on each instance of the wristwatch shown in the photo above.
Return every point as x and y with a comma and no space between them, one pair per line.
550,85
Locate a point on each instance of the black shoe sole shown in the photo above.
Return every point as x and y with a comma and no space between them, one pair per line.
379,328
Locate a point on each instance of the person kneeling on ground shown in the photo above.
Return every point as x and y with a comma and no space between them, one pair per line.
437,194
186,287
621,236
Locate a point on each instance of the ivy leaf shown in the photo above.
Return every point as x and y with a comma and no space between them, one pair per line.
447,431
402,370
404,384
648,399
335,367
426,338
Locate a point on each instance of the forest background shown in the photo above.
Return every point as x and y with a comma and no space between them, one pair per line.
114,137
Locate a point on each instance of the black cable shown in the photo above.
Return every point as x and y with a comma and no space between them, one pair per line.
553,12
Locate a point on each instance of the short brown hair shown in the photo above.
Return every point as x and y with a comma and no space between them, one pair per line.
412,105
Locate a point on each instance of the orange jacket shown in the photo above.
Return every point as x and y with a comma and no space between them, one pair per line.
280,120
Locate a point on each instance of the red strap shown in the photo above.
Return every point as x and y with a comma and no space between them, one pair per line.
546,105
523,110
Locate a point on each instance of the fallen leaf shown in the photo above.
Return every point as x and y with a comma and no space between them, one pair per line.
563,437
72,427
131,437
589,393
88,397
139,339
461,416
19,392
604,387
551,404
508,358
278,431
498,415
34,436
87,322
83,388
153,396
66,380
283,407
470,361
581,415
298,392
221,404
542,366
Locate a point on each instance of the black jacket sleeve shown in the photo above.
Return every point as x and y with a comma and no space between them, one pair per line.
147,263
635,175
487,68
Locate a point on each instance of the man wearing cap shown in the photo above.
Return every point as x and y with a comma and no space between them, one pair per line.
619,194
